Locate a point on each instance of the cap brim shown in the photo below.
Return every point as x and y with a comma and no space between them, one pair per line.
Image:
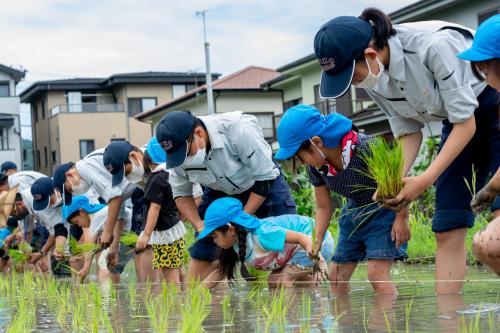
118,177
286,153
176,158
474,55
41,204
335,86
245,220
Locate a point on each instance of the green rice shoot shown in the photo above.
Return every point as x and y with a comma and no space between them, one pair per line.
129,239
78,249
19,257
471,186
385,164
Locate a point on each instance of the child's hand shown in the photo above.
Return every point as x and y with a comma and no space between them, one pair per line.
35,257
112,258
483,199
58,255
83,273
106,239
400,232
142,242
320,270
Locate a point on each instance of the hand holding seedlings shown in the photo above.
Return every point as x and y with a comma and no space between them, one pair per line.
142,242
413,187
483,199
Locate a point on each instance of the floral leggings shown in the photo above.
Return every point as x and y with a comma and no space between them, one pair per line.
169,255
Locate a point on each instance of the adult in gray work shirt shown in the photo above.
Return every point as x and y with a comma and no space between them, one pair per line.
228,155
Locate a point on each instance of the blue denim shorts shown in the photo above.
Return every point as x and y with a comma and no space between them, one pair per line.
365,233
482,153
300,258
278,202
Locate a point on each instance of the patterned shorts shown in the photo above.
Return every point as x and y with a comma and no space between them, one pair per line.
169,255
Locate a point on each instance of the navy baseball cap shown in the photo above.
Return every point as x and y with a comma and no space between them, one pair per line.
486,44
114,158
337,45
41,190
172,133
302,122
59,177
8,165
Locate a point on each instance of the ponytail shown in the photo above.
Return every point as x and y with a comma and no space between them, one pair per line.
381,26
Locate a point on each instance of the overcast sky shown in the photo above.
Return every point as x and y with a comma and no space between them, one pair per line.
55,39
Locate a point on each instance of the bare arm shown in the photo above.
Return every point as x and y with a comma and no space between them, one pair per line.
411,145
213,279
324,212
187,208
113,210
253,203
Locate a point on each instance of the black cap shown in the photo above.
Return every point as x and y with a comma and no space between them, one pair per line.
337,45
114,158
8,165
41,190
172,132
59,177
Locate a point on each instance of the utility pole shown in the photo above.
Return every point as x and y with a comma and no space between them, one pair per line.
208,74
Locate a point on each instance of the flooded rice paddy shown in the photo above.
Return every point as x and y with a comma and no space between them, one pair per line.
31,303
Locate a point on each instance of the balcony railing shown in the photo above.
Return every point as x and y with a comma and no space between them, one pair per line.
86,107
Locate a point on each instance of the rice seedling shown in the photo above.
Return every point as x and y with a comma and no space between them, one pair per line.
228,311
132,291
78,249
129,239
194,309
407,314
25,247
276,309
471,186
19,257
387,321
306,307
107,322
158,313
385,166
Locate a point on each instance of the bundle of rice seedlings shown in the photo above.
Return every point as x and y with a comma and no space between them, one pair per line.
129,239
385,163
78,249
19,257
25,247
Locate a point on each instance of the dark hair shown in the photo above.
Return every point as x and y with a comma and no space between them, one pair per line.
381,24
147,162
493,65
73,215
228,258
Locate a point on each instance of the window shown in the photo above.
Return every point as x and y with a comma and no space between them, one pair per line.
54,156
35,112
321,103
43,109
4,89
483,16
291,103
178,90
266,121
45,154
117,139
38,160
86,147
138,105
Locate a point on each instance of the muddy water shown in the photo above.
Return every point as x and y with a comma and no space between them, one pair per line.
246,308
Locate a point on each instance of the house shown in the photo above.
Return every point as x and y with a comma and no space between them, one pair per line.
72,117
238,91
10,124
299,80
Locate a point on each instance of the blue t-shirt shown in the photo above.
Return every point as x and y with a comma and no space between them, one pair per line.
266,248
4,233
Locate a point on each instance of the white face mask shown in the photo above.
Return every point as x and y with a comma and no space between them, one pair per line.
80,188
371,79
136,174
198,158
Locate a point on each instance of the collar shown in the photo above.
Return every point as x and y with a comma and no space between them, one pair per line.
160,167
397,60
210,123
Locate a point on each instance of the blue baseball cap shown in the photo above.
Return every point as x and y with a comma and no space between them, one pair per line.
80,202
156,152
337,45
225,210
301,122
59,178
114,158
41,190
8,165
486,44
172,133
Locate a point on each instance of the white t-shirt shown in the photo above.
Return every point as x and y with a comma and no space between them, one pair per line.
98,220
49,217
91,168
24,179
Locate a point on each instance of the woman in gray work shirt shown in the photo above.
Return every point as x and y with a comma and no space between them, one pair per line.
411,71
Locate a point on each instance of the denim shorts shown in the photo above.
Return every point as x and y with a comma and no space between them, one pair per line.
300,258
365,233
278,202
482,153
